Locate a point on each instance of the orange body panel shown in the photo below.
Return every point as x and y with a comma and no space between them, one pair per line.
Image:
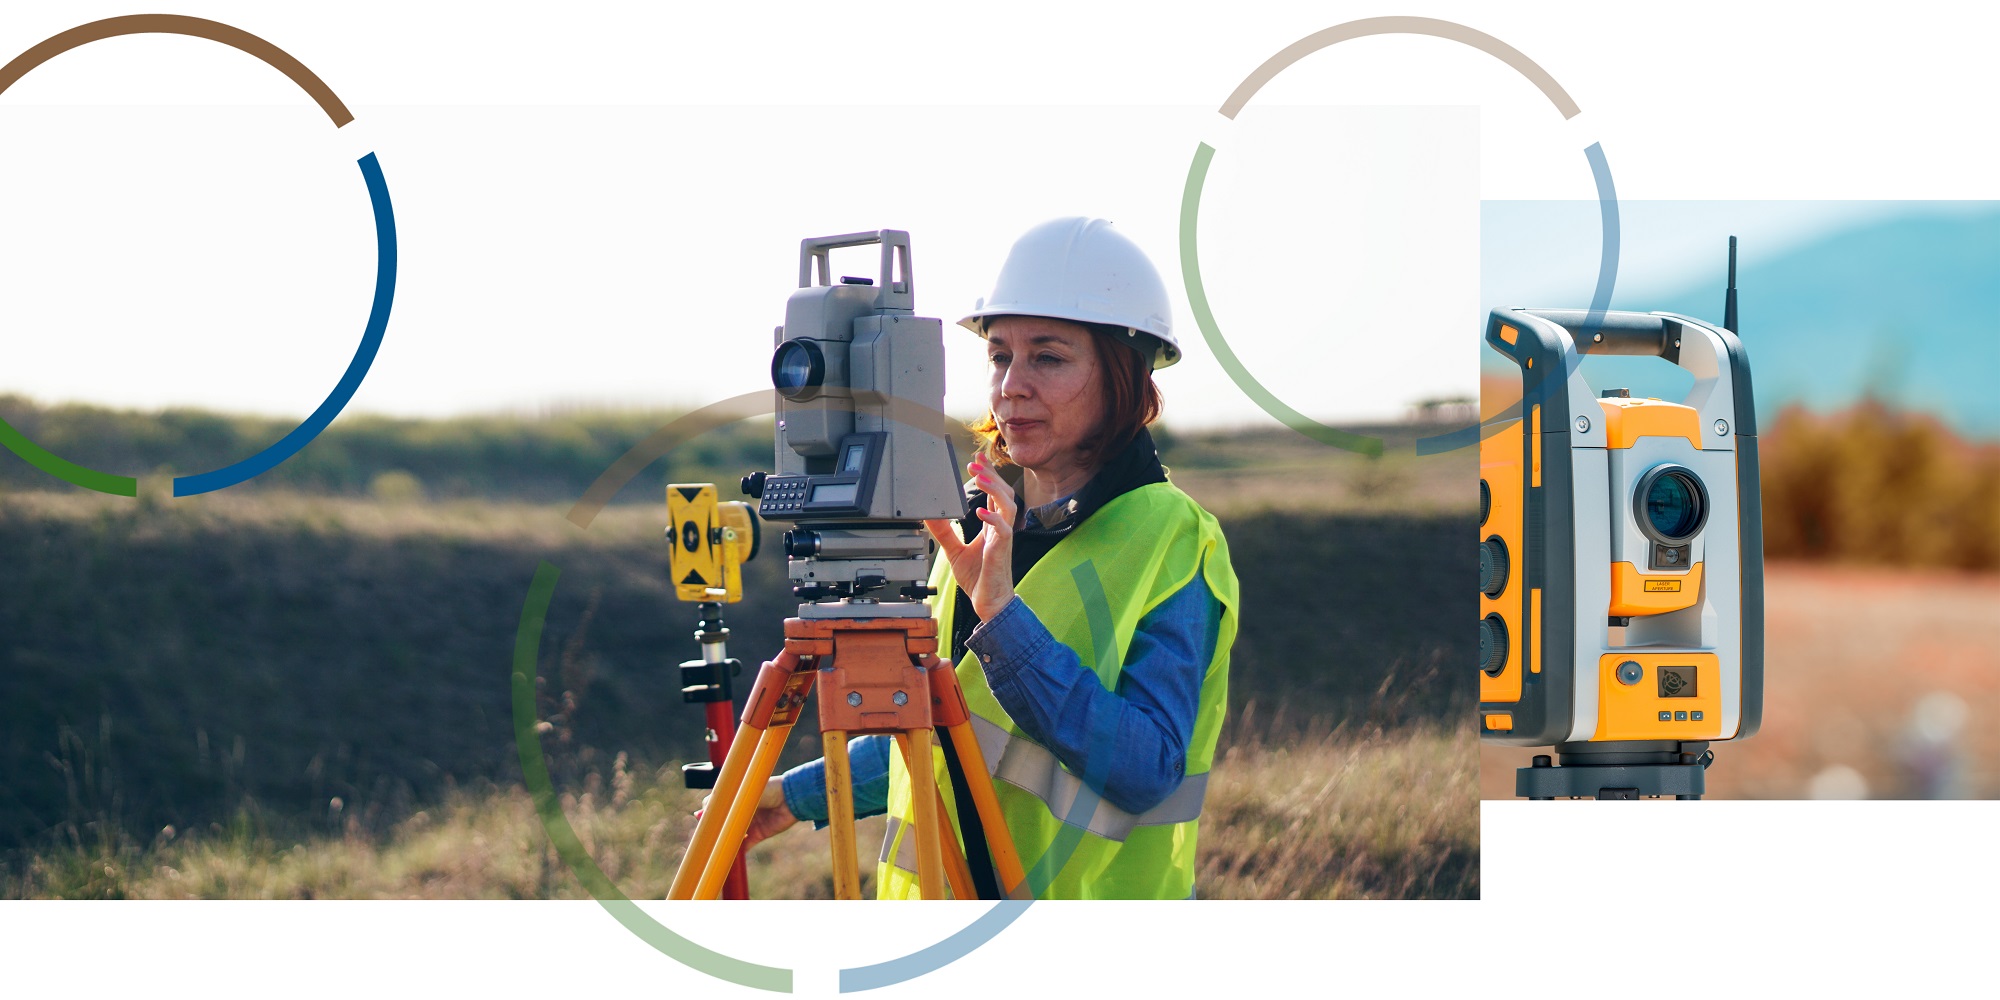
1632,711
1636,593
1535,629
1628,420
1500,467
1535,442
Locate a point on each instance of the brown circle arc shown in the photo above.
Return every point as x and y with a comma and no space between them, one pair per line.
179,24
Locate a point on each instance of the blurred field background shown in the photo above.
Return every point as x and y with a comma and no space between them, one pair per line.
1882,632
299,687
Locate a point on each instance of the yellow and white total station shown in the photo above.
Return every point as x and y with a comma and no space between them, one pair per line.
1621,558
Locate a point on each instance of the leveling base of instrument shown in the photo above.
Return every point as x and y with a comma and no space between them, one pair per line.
877,671
1627,769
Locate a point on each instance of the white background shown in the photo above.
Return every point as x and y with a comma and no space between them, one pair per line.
1693,101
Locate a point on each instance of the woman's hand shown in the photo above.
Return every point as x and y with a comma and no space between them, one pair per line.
773,816
983,567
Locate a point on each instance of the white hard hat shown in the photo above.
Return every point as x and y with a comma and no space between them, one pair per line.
1084,271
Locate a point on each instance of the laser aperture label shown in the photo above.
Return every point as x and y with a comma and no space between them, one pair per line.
1676,682
1663,587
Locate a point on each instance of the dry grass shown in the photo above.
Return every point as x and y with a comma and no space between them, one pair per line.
1887,677
1376,815
1242,471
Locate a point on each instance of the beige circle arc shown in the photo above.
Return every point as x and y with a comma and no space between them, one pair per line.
1452,31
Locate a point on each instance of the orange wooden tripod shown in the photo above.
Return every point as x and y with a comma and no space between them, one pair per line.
875,675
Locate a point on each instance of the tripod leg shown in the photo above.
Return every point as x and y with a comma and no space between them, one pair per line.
727,784
741,809
916,747
774,679
1006,861
957,873
840,815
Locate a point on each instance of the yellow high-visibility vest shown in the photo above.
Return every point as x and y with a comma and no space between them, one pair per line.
1090,591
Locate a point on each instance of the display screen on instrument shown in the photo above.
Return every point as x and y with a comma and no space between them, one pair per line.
1676,682
834,492
854,458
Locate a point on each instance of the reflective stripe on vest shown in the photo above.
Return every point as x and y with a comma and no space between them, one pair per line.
905,860
906,853
1090,591
1029,766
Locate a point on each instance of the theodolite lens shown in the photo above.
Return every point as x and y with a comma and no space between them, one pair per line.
798,369
1672,504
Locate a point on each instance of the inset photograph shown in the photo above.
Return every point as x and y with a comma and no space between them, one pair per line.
1741,522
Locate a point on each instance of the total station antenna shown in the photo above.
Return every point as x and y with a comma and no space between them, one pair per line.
1729,297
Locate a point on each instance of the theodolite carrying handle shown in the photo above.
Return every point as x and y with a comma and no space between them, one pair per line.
892,292
1627,333
1548,344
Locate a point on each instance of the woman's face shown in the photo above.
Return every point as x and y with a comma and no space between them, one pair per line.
1047,394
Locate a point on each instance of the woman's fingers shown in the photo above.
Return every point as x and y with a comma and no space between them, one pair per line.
996,563
964,557
999,495
946,534
986,476
998,531
997,523
1008,506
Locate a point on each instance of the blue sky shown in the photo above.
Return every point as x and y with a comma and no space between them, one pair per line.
1859,296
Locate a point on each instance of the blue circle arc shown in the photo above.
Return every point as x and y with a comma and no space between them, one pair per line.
357,369
1600,303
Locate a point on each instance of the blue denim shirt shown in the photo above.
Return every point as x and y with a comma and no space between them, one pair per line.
1059,704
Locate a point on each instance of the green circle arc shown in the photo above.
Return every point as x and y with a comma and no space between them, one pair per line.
548,807
535,771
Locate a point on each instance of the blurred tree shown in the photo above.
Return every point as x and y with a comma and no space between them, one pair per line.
1874,485
397,486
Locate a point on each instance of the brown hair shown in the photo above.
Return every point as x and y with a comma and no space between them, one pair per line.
1131,400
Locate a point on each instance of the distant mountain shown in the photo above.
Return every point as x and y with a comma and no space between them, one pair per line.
1906,309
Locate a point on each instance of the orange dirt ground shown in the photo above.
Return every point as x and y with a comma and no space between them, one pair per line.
1892,673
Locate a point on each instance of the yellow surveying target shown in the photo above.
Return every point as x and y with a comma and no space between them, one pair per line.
710,543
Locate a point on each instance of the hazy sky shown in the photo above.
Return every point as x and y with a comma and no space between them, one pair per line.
1546,253
633,256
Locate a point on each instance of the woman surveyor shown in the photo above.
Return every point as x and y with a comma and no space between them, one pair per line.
1089,603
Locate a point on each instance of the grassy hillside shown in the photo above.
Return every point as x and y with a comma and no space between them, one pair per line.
323,659
535,459
163,661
